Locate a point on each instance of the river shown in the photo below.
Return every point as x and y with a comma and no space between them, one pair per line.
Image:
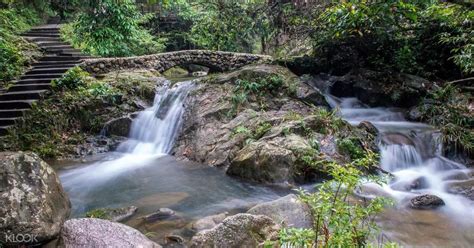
141,173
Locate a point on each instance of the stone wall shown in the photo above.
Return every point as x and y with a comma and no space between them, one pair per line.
216,61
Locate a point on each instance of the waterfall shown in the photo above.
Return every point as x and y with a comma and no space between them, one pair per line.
154,130
398,157
152,135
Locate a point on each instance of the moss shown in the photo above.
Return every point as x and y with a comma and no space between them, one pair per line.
100,213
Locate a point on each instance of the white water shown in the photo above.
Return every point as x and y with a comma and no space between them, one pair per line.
152,136
419,156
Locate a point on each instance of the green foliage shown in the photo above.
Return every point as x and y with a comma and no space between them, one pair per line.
230,25
262,128
338,222
420,37
72,79
13,59
328,122
351,147
448,110
98,213
256,133
257,89
112,28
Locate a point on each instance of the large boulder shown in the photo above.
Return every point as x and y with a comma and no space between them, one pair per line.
32,200
90,232
208,132
271,161
289,211
241,230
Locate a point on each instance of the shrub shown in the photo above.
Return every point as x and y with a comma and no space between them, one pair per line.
447,108
337,222
72,79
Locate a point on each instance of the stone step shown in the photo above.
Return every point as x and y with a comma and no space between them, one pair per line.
43,39
29,87
45,29
35,71
7,121
68,51
16,104
10,113
22,95
56,47
34,81
4,130
45,44
40,34
58,58
39,76
55,65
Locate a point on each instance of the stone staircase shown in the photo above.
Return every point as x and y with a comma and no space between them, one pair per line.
59,57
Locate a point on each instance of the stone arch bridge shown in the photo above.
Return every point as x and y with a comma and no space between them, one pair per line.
216,61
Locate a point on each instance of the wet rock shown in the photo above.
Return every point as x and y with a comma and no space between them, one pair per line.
160,214
311,95
209,222
396,139
426,202
241,230
369,127
464,187
119,126
288,211
174,240
32,199
113,214
90,232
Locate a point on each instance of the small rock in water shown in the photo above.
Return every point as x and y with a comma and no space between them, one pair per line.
426,202
161,214
173,240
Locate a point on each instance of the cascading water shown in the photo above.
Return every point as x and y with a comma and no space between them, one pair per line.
154,130
152,135
412,153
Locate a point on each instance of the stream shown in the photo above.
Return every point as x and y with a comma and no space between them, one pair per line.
140,173
412,153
